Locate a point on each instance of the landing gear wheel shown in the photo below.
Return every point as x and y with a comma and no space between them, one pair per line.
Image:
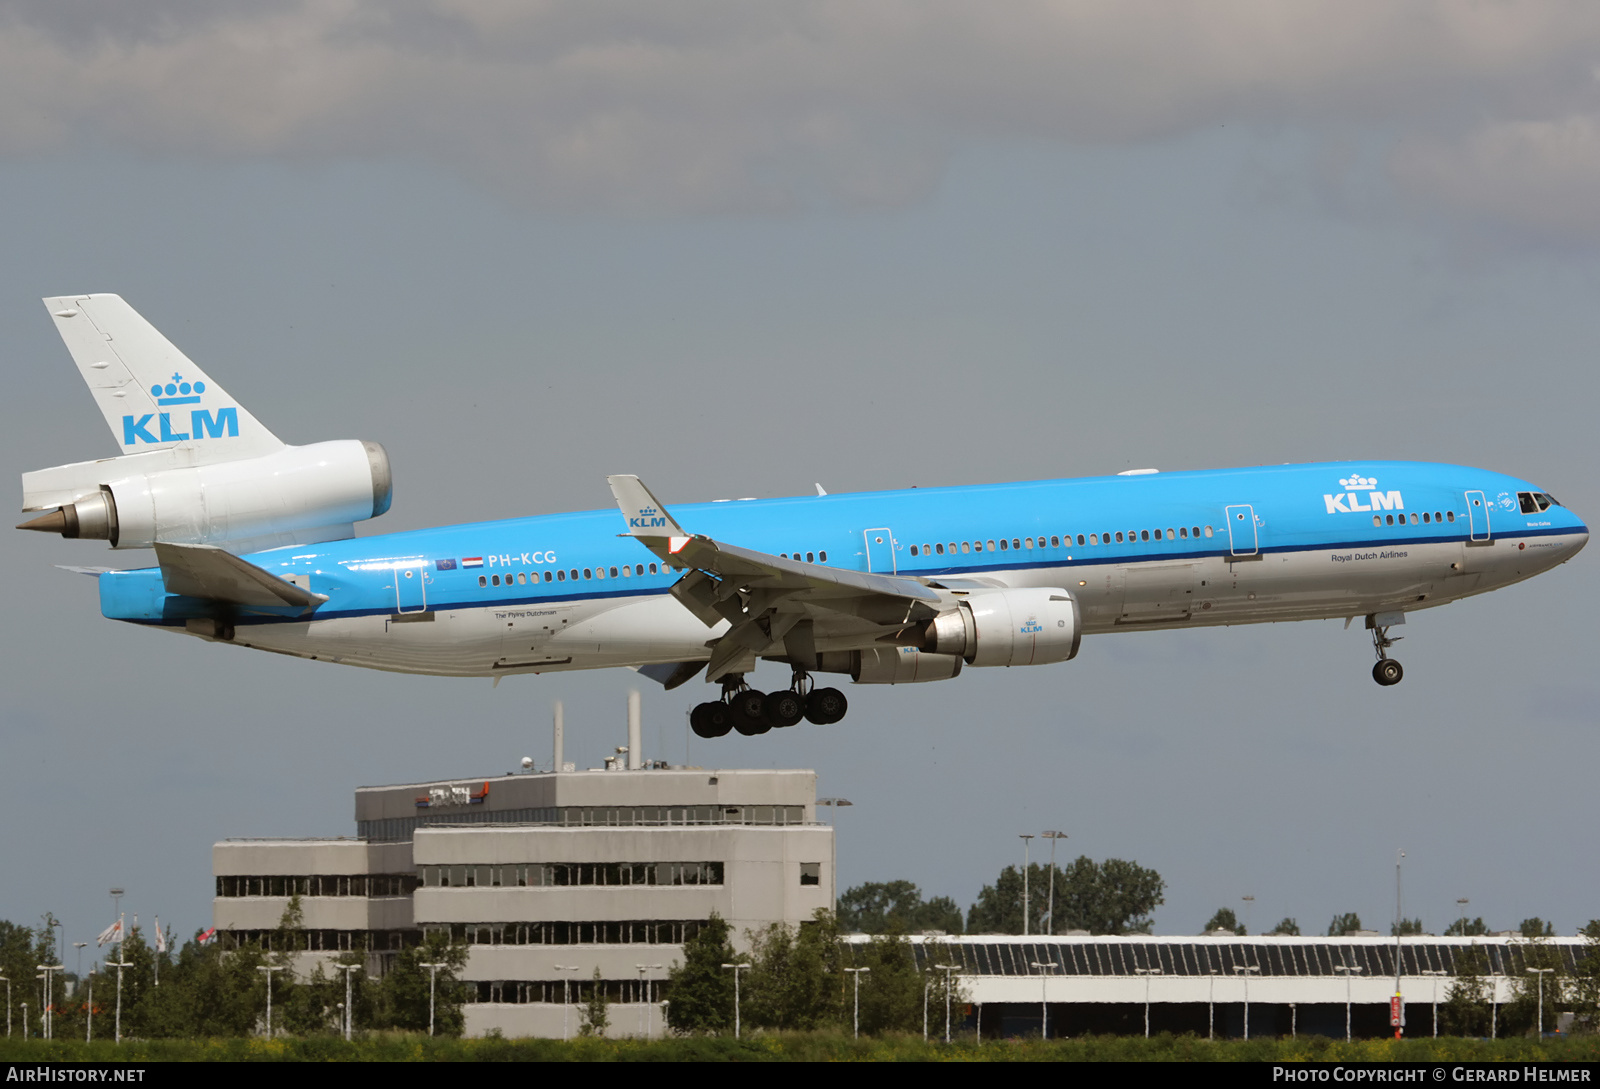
826,706
748,711
783,709
711,719
1387,672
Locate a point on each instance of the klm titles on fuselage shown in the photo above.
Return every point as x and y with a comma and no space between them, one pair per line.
1350,501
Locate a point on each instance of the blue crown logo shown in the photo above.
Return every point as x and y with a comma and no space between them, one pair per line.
1358,481
178,392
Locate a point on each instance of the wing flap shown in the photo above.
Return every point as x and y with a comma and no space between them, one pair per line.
215,574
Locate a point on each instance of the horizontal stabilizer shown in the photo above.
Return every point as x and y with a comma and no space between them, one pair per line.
94,571
215,574
671,674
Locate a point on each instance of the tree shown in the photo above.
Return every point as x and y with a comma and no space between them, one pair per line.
1464,928
1536,928
1586,979
1466,1010
891,993
1113,897
402,998
878,906
1521,1014
1405,926
1224,919
796,978
700,989
1287,926
1348,923
596,1009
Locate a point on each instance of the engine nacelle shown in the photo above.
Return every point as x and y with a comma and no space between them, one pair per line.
901,665
1008,627
294,495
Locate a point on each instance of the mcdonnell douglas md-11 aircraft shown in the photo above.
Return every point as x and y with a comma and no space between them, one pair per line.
256,545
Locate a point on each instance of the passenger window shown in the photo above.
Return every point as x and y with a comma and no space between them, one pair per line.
1377,519
483,580
1080,539
1055,542
1424,517
966,546
522,578
913,550
1208,531
822,557
599,572
574,574
1094,538
1144,535
1027,542
1015,543
810,558
495,579
940,548
991,546
653,569
614,572
1183,531
1003,544
1413,519
587,573
1171,536
561,576
1119,536
1389,518
952,548
1450,514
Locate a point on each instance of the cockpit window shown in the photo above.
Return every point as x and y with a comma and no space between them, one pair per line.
1534,502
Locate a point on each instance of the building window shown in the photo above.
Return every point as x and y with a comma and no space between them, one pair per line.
810,873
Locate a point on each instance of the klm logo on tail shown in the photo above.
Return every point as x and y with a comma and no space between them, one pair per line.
648,518
1357,486
202,423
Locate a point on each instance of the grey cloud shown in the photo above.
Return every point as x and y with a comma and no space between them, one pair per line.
719,106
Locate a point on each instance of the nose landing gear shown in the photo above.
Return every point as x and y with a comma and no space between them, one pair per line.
1387,671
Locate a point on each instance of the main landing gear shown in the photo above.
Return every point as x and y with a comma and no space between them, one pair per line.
751,712
1387,671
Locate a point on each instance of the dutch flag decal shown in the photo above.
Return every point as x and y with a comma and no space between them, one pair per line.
472,561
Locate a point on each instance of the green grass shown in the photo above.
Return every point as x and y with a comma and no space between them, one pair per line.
799,1047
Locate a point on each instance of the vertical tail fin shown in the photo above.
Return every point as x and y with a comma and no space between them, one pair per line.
152,395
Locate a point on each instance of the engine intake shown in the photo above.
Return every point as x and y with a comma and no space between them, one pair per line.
1008,627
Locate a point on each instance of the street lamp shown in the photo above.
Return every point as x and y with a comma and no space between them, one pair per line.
1348,970
857,1016
1399,1013
1244,971
88,1035
119,965
947,969
1027,903
1147,973
1249,902
268,969
566,996
1461,906
1052,837
644,985
1044,1006
45,1022
737,968
1211,1006
1541,973
433,984
7,981
1435,973
347,969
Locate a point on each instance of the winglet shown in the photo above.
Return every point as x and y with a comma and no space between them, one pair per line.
645,514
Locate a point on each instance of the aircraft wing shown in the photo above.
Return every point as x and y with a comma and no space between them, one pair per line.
215,574
768,599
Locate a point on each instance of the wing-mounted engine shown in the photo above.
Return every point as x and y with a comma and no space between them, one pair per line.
197,467
1008,627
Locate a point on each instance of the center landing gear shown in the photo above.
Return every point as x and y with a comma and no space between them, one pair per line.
1387,671
751,712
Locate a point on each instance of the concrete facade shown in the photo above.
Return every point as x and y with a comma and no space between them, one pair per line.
549,877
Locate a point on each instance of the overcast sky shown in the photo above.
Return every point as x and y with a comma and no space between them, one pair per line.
741,248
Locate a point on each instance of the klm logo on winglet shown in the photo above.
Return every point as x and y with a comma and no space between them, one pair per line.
202,423
648,518
1355,488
